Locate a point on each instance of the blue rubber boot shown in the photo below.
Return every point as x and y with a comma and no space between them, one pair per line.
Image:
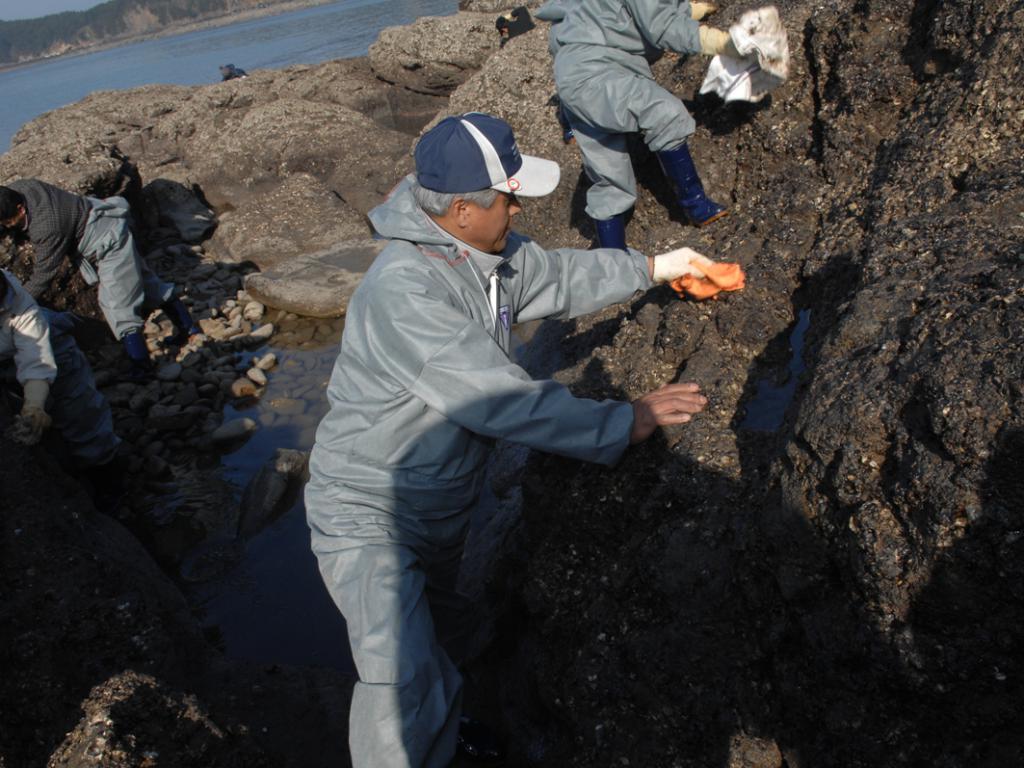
184,324
611,233
141,366
678,167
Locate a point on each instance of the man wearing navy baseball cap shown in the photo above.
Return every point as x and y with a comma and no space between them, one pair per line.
423,386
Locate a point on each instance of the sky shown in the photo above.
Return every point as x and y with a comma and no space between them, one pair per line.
30,9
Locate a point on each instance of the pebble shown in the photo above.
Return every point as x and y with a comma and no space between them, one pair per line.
266,362
288,406
234,430
253,311
187,395
257,376
203,271
154,448
155,466
142,401
191,359
263,332
243,388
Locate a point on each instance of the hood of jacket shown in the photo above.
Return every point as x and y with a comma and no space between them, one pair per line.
401,218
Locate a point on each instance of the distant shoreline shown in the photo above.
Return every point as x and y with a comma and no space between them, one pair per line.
177,28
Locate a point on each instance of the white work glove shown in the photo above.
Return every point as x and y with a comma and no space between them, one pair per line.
760,32
675,264
33,420
716,42
699,10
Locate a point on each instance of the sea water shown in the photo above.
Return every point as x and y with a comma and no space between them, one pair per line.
334,31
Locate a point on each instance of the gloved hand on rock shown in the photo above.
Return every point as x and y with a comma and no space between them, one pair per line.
695,274
674,264
33,420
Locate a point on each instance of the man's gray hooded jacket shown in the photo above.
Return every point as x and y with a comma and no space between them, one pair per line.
424,383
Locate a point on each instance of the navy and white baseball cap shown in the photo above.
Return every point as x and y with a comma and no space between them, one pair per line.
470,152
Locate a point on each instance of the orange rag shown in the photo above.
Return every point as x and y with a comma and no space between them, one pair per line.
717,277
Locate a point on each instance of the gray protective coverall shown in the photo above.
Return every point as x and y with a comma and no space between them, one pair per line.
37,344
604,80
421,389
126,285
101,247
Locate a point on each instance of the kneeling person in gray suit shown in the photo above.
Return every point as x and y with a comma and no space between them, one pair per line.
95,234
39,355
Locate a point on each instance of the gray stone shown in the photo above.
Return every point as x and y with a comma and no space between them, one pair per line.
142,401
233,430
155,466
270,491
203,271
318,284
287,406
257,376
187,395
176,205
169,372
262,333
244,387
253,311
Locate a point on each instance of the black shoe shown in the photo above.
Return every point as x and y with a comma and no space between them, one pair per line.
477,744
141,368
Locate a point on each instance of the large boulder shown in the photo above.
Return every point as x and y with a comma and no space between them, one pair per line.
299,215
178,209
434,54
316,284
495,6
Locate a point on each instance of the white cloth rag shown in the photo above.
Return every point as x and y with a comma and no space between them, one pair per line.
760,39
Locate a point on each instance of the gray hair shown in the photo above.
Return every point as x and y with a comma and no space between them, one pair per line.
438,203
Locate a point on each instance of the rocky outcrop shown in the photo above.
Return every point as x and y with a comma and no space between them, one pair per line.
495,6
843,591
104,663
290,160
434,54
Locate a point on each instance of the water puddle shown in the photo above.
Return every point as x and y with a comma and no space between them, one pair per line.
767,409
264,600
270,605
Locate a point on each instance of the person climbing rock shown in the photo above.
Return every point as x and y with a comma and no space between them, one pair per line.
96,236
40,361
423,386
231,72
605,84
513,23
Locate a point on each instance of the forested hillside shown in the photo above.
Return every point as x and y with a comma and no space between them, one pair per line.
28,39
